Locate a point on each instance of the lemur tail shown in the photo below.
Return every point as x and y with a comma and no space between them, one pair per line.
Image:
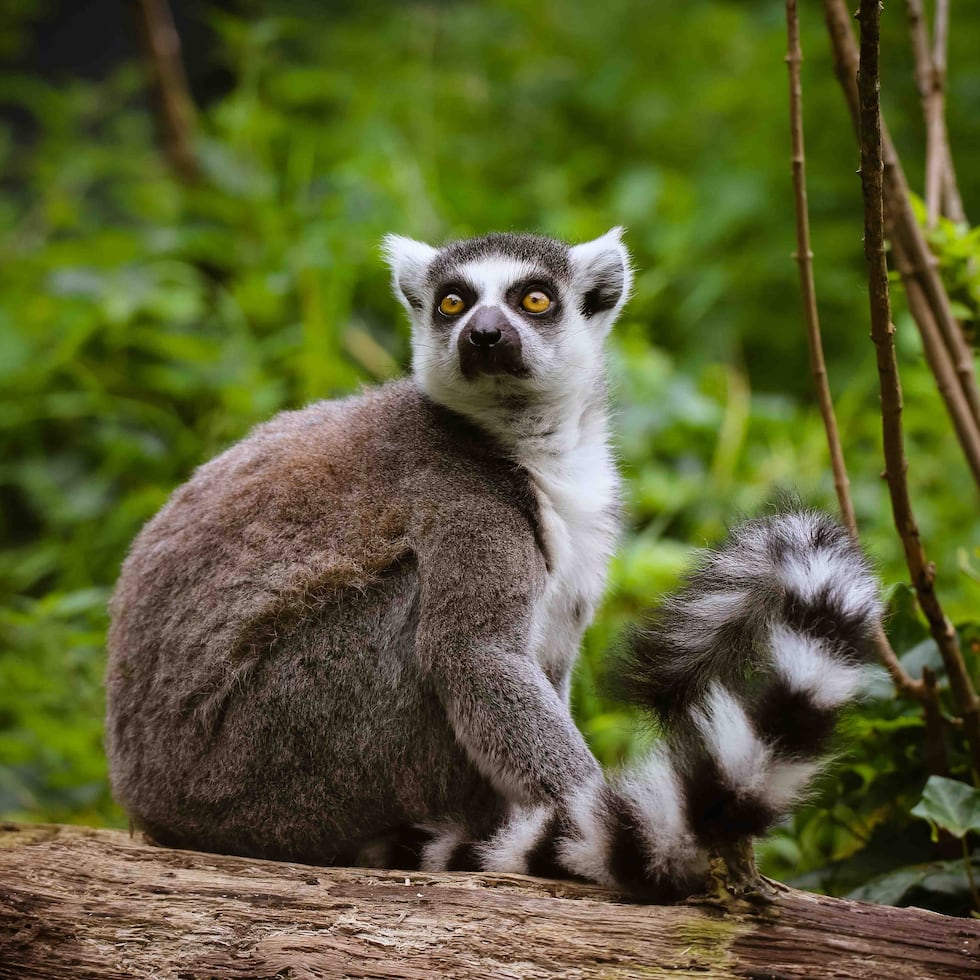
748,666
745,670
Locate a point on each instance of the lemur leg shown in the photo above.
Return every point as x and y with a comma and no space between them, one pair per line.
648,829
475,650
778,624
735,756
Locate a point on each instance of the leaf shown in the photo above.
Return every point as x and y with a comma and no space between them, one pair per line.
939,884
905,627
924,654
950,805
889,889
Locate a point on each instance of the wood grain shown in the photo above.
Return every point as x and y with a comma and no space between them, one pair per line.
80,903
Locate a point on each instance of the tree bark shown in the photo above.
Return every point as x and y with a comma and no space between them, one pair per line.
82,903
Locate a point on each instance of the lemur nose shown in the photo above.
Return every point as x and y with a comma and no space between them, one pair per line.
489,344
487,327
484,335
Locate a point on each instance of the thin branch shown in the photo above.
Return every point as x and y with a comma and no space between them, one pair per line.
818,368
930,86
804,260
177,117
937,761
935,142
882,335
942,193
940,364
905,684
920,265
951,200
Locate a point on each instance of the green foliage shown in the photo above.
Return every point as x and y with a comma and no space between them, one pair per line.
949,805
145,325
957,247
939,885
862,835
952,807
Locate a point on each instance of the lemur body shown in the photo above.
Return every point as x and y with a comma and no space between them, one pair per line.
349,637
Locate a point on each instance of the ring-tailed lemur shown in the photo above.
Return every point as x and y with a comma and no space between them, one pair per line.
349,637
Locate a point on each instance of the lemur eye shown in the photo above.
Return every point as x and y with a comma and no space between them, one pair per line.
536,301
451,305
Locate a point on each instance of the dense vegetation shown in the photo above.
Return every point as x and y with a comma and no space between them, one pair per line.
146,323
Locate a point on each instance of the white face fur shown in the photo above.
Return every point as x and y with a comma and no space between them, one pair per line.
509,329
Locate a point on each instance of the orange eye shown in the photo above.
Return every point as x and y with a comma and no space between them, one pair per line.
536,301
451,305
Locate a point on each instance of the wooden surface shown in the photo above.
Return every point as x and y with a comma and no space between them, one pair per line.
79,903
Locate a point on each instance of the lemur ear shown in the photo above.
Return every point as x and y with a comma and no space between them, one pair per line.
602,272
408,261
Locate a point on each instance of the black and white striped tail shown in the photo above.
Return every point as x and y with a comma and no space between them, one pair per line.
745,669
748,666
627,834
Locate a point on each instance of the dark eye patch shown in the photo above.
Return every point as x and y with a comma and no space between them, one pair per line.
461,288
516,293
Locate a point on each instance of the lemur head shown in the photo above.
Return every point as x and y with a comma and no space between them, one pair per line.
511,321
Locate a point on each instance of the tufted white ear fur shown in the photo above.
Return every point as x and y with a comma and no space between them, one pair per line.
603,275
408,261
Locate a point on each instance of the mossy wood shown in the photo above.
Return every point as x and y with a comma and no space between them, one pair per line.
82,903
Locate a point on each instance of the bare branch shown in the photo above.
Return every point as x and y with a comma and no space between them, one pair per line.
804,259
935,143
952,203
176,114
940,364
920,263
818,368
882,335
936,758
942,194
929,84
905,685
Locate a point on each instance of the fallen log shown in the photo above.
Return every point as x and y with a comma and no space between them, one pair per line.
80,903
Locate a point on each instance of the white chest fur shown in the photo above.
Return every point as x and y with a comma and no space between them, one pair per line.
577,494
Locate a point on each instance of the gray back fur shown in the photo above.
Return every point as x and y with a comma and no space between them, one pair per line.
352,620
264,690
